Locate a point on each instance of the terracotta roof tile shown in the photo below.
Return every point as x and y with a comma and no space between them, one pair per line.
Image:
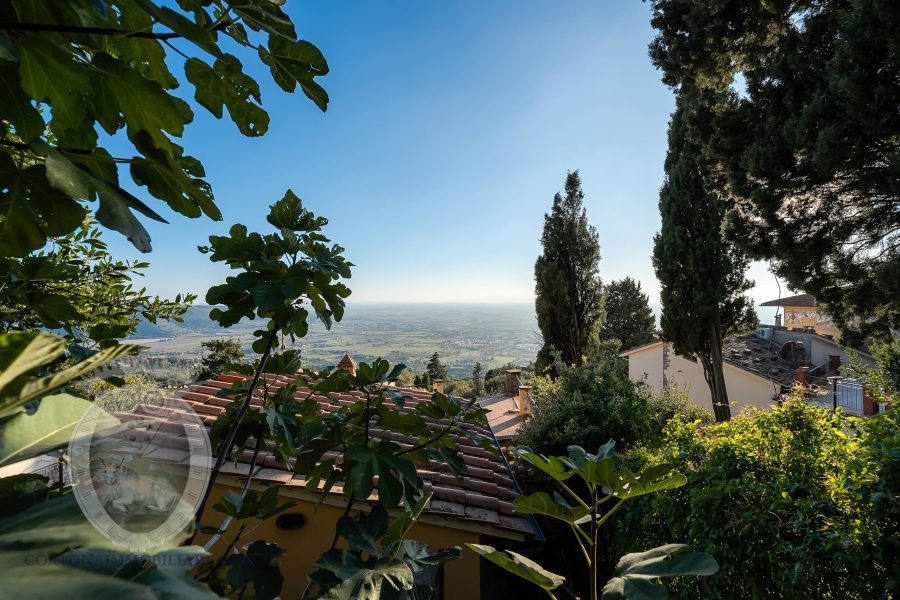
450,508
482,515
483,501
483,494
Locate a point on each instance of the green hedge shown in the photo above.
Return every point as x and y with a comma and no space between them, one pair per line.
794,503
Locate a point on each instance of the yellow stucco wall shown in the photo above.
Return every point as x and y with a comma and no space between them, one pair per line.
744,389
305,545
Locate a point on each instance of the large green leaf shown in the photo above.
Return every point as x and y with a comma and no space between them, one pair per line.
541,503
31,210
143,102
20,490
265,16
257,564
363,580
627,485
552,465
296,62
394,473
190,30
116,204
398,528
637,575
49,73
23,352
225,84
419,556
519,565
52,529
16,107
25,435
26,388
167,178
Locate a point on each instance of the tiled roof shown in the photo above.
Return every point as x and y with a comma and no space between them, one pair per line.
760,357
484,494
503,415
798,300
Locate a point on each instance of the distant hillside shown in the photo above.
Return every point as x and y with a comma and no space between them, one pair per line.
196,321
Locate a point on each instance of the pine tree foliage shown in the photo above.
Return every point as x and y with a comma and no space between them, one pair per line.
628,315
808,144
222,352
435,369
700,273
568,289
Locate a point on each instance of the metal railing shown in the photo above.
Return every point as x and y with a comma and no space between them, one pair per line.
56,473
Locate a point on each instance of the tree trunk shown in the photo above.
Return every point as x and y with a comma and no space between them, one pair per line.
713,372
720,395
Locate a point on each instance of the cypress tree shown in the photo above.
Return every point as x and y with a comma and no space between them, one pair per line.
476,379
701,274
568,289
628,315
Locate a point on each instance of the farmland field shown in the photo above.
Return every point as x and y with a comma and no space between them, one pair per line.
493,334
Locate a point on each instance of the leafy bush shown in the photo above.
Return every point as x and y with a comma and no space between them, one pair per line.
795,503
222,353
670,402
587,405
135,389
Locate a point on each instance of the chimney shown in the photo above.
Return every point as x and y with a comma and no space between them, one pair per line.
869,405
524,400
834,362
802,376
437,385
513,376
347,364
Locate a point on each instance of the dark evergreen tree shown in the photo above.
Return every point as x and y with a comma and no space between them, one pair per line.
435,369
628,315
701,274
809,150
568,289
222,351
477,384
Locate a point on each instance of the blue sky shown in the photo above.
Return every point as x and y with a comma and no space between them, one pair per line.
451,126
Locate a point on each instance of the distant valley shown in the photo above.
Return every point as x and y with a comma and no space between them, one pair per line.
493,334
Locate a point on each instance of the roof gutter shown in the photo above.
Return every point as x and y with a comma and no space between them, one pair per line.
536,528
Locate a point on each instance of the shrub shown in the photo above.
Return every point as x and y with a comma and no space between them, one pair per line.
671,402
795,503
587,405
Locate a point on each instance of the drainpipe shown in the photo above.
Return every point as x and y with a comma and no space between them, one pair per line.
833,381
